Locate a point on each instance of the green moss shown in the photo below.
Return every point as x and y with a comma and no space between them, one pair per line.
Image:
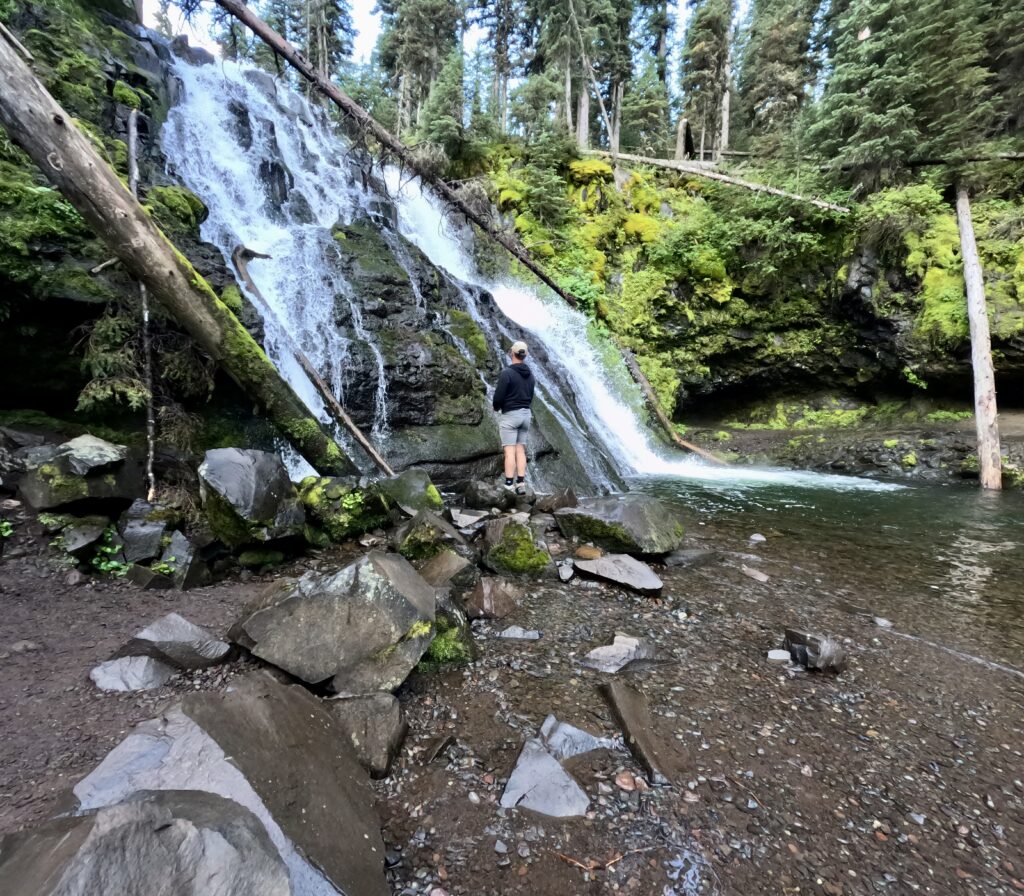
434,497
909,459
584,171
516,552
256,559
1013,476
339,509
419,629
126,96
231,296
227,525
891,443
465,328
176,209
449,647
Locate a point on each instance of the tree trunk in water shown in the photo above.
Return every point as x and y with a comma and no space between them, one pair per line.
45,131
985,416
583,119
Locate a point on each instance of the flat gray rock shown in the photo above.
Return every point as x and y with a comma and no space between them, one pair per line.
464,518
621,569
563,741
622,651
440,570
276,751
518,633
181,842
631,523
375,725
141,537
182,556
174,640
131,673
492,598
630,708
538,782
80,535
89,454
359,630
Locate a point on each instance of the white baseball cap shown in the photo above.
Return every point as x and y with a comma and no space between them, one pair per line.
518,349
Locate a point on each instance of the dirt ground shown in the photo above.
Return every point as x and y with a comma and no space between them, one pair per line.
902,775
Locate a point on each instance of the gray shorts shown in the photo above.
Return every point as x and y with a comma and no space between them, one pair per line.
513,427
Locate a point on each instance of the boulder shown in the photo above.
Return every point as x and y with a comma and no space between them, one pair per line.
80,536
513,551
375,725
274,750
466,518
491,599
184,842
149,579
411,490
426,535
131,673
621,569
52,476
174,640
141,534
181,557
359,630
338,508
550,503
632,523
248,497
88,454
448,568
483,494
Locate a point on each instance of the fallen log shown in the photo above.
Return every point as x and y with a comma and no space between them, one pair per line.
36,123
659,411
692,168
241,258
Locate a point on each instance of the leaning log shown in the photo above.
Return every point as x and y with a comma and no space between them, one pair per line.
695,169
388,141
241,258
985,417
659,411
48,134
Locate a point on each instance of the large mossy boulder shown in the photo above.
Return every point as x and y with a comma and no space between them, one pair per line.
411,490
339,508
248,497
356,631
83,470
274,749
426,535
629,524
513,550
167,841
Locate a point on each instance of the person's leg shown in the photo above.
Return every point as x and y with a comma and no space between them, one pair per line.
520,461
510,461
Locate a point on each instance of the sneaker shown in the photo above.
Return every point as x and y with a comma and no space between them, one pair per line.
508,486
521,489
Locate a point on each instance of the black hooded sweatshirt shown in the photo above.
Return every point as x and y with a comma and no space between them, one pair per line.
515,388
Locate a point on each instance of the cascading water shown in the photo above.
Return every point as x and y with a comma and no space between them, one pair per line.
276,179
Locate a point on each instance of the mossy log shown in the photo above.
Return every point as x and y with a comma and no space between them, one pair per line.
47,133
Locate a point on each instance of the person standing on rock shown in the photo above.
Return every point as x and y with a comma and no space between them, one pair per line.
513,396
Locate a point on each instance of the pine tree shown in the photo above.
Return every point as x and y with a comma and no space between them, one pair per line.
442,122
705,66
645,112
777,67
654,25
500,20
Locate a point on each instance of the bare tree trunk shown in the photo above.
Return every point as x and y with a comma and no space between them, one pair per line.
47,133
985,416
618,92
583,119
681,133
147,344
723,133
568,94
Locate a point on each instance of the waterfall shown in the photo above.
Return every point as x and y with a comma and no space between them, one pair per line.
277,179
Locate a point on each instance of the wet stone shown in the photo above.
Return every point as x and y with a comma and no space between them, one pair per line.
633,523
563,741
444,568
518,633
691,558
482,494
623,650
492,598
174,640
131,673
80,535
634,715
141,537
464,518
376,727
755,574
149,579
189,570
551,503
815,651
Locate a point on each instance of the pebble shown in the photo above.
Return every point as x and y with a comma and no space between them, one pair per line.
474,798
778,656
755,574
500,847
882,622
757,537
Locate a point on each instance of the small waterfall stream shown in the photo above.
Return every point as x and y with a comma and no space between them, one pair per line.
277,179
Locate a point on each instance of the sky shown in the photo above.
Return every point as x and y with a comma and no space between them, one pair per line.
367,24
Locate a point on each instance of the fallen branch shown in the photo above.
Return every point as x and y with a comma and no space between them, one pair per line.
695,169
47,133
241,258
659,411
103,265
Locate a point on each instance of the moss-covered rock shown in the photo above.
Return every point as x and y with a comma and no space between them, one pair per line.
515,553
259,558
411,490
339,508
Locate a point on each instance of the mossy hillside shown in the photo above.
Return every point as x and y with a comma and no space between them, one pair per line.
517,554
837,412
